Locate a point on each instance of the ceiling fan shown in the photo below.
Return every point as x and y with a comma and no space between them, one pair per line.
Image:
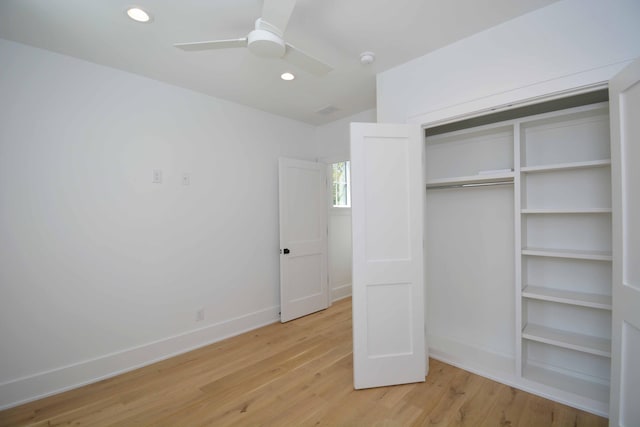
266,39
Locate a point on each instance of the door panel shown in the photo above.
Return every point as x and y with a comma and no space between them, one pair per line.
386,186
303,233
388,285
301,267
624,94
390,331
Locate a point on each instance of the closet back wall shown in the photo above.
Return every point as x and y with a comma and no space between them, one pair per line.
100,269
469,270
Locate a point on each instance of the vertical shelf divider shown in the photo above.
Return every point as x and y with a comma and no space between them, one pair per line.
517,208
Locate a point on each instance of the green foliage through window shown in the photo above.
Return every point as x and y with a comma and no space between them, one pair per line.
341,185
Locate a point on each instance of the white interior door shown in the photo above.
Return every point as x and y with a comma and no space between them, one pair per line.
624,94
387,205
303,238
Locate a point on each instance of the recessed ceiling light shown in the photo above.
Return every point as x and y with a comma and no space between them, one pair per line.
287,76
138,14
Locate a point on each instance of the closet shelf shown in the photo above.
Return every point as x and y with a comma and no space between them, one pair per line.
470,180
582,299
571,340
566,166
572,254
579,386
567,211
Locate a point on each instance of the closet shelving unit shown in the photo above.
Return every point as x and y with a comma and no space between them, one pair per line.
479,156
565,290
559,165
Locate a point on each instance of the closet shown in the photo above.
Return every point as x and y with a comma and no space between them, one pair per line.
505,244
518,248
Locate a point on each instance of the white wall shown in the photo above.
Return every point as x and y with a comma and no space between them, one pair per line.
102,270
568,44
339,253
332,145
332,139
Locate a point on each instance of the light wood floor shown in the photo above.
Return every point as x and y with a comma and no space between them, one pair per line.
293,374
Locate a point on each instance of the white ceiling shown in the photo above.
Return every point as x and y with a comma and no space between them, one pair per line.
335,31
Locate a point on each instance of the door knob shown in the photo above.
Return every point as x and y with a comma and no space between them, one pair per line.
285,251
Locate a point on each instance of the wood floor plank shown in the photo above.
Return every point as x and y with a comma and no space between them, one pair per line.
294,374
570,417
507,409
476,407
537,412
463,386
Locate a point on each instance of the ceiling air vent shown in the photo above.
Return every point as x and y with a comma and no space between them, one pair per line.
325,111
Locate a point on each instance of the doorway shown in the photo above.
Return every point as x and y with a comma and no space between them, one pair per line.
339,226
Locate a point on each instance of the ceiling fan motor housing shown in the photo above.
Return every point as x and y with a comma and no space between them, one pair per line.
266,44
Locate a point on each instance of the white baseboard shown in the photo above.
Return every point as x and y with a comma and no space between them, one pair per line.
473,357
341,292
33,387
501,368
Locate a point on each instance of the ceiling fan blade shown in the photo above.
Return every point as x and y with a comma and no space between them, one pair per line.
277,13
305,61
213,44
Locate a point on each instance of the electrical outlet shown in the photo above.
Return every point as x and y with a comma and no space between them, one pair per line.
186,179
157,176
200,315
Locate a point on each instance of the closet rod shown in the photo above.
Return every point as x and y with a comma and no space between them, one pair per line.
473,185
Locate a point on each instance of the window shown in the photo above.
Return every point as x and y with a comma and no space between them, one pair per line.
341,184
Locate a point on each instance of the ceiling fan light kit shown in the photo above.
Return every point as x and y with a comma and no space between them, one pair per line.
266,44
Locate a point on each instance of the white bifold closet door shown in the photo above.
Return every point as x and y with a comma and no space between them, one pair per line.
388,279
624,98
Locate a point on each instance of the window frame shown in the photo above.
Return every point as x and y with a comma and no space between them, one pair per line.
330,161
346,183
